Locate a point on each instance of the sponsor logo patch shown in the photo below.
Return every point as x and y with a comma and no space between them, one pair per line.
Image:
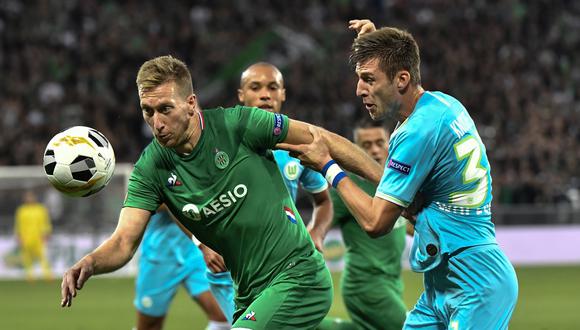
399,167
278,124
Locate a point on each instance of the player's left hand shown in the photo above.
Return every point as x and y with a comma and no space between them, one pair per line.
317,238
314,155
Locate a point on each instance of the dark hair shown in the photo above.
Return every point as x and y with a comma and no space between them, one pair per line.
366,122
395,49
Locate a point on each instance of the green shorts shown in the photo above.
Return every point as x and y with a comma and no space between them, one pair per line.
298,298
377,304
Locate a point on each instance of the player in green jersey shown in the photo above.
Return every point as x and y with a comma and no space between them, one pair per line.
371,282
210,168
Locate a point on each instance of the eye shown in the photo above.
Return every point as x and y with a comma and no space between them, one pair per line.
147,111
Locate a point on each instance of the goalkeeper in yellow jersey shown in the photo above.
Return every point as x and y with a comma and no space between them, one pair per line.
32,227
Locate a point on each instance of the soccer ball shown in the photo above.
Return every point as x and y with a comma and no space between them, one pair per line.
79,161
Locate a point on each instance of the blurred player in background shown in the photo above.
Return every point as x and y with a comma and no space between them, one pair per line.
232,197
32,228
168,260
372,287
436,150
262,86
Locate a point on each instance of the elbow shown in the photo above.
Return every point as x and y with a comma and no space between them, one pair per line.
377,229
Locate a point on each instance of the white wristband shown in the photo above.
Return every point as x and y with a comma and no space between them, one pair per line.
333,173
195,241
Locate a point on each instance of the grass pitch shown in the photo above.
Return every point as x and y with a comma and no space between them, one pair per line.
549,298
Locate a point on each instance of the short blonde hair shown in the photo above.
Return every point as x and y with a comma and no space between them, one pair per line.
164,69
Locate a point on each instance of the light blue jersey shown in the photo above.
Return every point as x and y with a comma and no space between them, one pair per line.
164,242
438,152
293,172
168,259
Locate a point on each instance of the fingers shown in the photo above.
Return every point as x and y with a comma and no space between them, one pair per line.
361,26
82,278
217,265
291,147
318,246
67,289
315,134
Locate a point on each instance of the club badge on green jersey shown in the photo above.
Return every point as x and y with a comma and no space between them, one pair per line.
221,159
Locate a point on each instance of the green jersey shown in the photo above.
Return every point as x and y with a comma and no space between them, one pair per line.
367,258
229,193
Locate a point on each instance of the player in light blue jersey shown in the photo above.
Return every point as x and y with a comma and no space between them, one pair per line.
162,270
436,151
262,86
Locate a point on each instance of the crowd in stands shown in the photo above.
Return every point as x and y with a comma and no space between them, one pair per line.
515,65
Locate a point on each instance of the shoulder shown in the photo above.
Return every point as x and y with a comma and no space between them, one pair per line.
433,111
150,156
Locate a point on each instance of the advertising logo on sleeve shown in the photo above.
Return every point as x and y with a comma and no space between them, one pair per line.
278,124
216,205
399,167
290,214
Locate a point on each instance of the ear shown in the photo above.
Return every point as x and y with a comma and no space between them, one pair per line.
192,104
402,79
283,95
241,95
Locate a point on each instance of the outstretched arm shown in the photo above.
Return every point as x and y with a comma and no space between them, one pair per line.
114,253
375,215
347,154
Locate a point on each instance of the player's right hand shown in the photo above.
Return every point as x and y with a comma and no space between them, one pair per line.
361,26
214,261
74,279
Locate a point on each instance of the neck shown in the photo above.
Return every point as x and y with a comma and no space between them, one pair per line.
410,101
191,136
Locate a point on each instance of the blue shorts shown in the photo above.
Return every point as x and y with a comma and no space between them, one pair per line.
475,289
157,283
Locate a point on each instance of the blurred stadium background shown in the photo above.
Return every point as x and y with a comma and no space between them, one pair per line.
514,64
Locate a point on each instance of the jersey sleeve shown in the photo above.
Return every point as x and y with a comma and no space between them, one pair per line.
312,181
262,129
411,158
142,193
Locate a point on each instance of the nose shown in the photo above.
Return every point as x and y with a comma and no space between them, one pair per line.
264,94
375,150
158,123
361,89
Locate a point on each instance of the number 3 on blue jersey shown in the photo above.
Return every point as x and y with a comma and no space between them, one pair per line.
469,147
